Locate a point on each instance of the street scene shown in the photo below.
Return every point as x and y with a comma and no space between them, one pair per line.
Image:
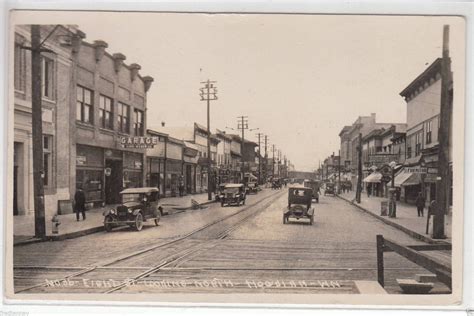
330,172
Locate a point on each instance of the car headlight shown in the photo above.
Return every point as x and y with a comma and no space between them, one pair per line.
112,211
129,211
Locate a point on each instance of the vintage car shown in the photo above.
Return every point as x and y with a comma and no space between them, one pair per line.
276,183
233,194
299,204
220,190
138,206
330,188
314,185
252,187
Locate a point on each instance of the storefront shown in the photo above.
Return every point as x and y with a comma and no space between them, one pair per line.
155,173
190,160
174,169
103,173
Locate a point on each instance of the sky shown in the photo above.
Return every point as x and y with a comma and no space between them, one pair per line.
298,78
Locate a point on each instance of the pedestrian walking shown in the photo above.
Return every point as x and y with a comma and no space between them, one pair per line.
420,204
80,203
181,186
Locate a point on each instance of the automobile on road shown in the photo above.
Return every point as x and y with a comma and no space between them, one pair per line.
138,206
330,189
315,187
299,204
233,194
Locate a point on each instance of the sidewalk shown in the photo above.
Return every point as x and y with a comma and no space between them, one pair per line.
407,219
24,226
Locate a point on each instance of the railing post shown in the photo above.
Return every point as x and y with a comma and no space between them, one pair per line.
380,269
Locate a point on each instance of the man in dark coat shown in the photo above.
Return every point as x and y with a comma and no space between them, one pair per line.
80,203
420,204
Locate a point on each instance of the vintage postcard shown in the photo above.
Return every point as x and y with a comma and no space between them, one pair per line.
235,158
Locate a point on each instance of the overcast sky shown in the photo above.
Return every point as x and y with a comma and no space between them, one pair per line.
298,78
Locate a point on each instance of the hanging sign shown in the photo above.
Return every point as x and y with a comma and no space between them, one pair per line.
107,172
138,141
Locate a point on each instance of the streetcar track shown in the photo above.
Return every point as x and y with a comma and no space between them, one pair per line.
196,248
140,252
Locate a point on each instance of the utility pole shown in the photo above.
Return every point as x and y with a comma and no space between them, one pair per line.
37,131
273,161
259,159
339,173
242,124
444,139
359,169
266,158
208,93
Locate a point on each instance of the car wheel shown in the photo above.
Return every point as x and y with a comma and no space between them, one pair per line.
108,223
222,204
138,222
284,219
243,202
311,220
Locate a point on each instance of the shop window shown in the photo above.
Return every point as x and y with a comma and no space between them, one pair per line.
47,77
123,118
19,68
106,112
47,160
84,109
138,125
91,183
428,132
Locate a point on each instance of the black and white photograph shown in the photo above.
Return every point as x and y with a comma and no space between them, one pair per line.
243,158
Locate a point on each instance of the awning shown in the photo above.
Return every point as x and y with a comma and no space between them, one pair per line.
401,178
374,177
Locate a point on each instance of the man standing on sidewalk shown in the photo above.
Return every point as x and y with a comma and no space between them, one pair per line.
80,203
420,204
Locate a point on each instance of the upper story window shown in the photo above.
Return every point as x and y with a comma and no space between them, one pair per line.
409,147
106,112
428,132
138,125
84,105
123,118
47,76
19,68
418,137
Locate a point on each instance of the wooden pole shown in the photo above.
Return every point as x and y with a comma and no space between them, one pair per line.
444,135
209,191
359,167
37,131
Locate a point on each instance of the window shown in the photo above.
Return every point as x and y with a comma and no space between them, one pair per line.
418,137
19,68
47,160
409,147
84,110
138,124
106,112
428,132
123,118
47,76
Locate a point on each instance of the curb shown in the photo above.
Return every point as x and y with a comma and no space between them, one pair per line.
407,231
87,231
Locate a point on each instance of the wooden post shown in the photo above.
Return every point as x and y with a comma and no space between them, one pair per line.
359,169
380,268
37,131
444,135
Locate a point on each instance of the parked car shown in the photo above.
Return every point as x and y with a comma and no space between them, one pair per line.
315,187
252,187
138,206
220,190
330,189
299,204
233,194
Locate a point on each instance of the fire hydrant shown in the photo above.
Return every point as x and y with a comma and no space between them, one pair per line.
56,223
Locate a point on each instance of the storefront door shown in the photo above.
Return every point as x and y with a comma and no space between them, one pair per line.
114,181
189,180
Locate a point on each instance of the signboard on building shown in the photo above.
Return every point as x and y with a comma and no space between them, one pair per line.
382,159
416,169
138,141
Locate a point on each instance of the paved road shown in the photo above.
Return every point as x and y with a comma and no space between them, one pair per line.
232,249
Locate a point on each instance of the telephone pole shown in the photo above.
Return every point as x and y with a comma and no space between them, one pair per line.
339,173
259,159
208,93
266,159
242,124
37,131
359,169
273,161
446,109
